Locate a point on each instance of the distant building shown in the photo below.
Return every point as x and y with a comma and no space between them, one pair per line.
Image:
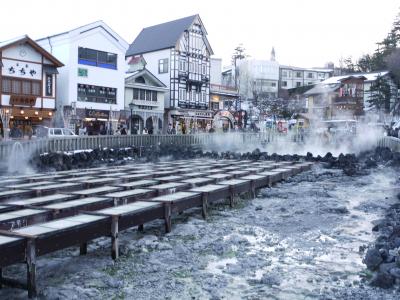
178,53
147,93
370,79
337,98
27,84
258,78
294,77
224,99
91,84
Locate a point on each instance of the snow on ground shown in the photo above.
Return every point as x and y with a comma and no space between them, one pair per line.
298,240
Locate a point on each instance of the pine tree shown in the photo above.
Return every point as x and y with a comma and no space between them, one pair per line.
380,94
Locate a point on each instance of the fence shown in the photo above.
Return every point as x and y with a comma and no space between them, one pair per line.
391,142
121,141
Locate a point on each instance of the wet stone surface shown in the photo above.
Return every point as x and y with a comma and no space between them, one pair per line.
302,239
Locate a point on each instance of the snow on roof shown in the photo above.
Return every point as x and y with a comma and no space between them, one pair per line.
13,40
369,77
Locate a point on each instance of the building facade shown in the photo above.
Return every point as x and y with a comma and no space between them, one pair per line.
294,77
27,84
178,53
92,82
144,94
224,100
342,98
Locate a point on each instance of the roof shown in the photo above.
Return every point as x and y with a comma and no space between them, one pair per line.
306,69
368,77
323,89
34,45
90,26
146,73
161,36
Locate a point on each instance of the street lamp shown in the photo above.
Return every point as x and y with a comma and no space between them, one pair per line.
132,107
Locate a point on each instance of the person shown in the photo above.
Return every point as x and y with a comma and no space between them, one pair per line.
29,132
118,131
211,130
151,130
145,131
135,130
169,130
123,131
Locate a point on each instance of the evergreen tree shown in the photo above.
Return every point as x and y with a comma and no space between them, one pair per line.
380,94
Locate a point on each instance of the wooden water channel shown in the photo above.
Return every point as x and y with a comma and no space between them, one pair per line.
71,208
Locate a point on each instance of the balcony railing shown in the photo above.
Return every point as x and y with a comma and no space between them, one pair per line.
223,89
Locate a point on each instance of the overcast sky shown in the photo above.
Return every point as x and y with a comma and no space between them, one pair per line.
305,33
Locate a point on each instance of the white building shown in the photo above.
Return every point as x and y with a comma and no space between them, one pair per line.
146,92
27,83
178,53
293,77
258,78
91,84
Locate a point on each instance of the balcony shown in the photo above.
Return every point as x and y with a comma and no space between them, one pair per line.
223,89
146,103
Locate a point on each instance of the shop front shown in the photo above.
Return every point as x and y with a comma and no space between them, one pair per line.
93,122
190,121
224,121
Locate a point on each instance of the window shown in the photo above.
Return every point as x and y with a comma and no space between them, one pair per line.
284,83
298,74
142,94
6,86
26,87
148,95
97,58
284,73
16,87
136,94
298,84
153,95
99,94
182,66
163,66
21,87
273,83
310,75
310,83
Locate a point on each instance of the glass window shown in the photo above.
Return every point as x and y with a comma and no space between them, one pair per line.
142,95
284,83
6,85
154,95
16,87
298,84
97,58
112,58
298,74
163,66
148,95
136,94
91,54
26,87
102,57
99,94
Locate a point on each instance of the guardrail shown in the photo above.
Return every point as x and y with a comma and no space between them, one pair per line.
120,141
391,142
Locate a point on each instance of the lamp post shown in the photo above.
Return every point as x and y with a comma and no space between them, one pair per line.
131,106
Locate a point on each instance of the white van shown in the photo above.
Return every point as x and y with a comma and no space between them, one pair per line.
60,132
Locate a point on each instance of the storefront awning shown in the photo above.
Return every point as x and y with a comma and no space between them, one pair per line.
50,70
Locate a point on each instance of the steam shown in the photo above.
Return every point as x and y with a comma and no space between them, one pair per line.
317,140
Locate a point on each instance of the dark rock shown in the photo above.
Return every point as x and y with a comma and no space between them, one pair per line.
395,272
372,259
382,280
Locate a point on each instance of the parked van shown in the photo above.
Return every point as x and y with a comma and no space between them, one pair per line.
46,132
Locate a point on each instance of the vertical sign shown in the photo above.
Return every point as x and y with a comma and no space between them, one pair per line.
49,85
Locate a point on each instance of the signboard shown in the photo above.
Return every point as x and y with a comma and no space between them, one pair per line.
20,69
22,100
82,72
49,85
97,114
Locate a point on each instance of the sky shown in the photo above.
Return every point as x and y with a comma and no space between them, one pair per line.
305,33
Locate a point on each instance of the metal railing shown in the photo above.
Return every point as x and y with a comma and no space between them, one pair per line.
391,142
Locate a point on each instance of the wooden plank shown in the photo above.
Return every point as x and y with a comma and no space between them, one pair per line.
137,184
43,200
97,191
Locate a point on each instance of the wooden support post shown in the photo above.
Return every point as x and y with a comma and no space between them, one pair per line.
253,189
83,249
231,197
1,278
167,217
31,267
204,199
141,228
114,237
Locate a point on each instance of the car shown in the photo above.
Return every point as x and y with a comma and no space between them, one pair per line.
60,132
46,132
